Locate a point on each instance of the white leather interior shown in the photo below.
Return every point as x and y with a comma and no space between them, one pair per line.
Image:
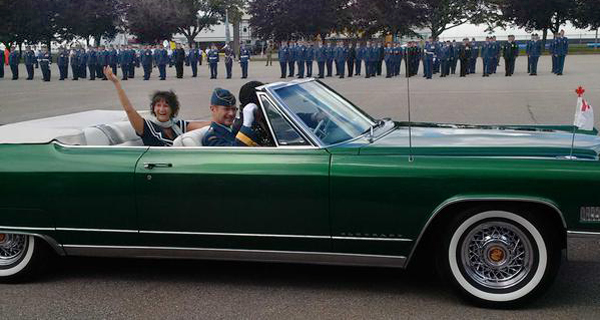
192,138
114,134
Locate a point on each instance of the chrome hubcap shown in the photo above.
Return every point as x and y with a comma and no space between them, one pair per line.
497,255
12,248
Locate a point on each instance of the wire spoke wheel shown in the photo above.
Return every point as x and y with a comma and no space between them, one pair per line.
12,248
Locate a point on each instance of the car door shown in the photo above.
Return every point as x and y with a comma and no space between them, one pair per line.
90,193
245,198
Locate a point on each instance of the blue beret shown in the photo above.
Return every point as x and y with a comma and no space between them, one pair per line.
222,97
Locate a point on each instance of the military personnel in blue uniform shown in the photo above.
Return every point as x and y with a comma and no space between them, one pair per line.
102,55
63,63
561,50
340,56
245,57
388,58
13,61
380,56
300,58
444,56
161,58
397,51
147,61
329,53
92,60
510,52
45,60
213,61
292,56
496,49
360,57
221,132
428,56
229,57
486,56
369,52
552,51
474,55
464,55
83,58
30,62
74,61
283,56
535,51
135,61
112,59
125,60
453,57
309,57
350,60
321,57
193,59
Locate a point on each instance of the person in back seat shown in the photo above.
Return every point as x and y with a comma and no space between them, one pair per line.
221,132
163,127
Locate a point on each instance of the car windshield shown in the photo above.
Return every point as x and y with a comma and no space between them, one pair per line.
331,118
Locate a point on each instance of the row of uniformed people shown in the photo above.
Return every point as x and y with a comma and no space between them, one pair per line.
125,57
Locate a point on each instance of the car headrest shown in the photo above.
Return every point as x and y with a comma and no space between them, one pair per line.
191,139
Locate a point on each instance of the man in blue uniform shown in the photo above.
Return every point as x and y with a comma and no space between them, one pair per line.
221,132
321,57
309,57
102,62
292,56
444,56
428,55
229,57
552,51
147,61
74,61
510,53
486,56
360,56
193,59
535,51
92,60
351,58
453,57
397,51
13,61
341,55
329,52
161,58
63,63
496,50
30,61
474,55
135,61
283,56
244,59
368,59
380,56
213,60
112,59
389,56
45,60
300,58
561,51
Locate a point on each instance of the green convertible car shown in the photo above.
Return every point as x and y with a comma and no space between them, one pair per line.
494,205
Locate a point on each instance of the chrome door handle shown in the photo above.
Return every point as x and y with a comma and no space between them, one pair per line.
152,165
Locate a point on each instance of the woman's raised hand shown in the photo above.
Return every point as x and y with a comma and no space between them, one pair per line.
110,75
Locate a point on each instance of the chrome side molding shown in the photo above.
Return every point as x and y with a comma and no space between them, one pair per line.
302,257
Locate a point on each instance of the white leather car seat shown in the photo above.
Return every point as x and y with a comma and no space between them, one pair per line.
95,137
114,134
191,139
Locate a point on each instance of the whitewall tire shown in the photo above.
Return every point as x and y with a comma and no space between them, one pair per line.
20,256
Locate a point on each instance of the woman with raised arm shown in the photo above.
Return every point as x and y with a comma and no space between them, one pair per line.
163,127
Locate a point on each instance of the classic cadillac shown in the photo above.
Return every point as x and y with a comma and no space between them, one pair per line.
493,205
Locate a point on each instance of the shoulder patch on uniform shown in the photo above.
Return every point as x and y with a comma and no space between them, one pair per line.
211,138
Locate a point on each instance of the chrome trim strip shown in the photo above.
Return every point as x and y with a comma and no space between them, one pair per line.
238,255
97,230
372,239
27,228
49,240
234,234
454,201
582,234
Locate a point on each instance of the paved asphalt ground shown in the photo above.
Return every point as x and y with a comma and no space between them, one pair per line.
84,288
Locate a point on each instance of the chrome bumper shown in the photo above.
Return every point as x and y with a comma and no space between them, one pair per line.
583,246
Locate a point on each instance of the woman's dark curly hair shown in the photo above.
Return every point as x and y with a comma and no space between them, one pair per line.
248,93
169,97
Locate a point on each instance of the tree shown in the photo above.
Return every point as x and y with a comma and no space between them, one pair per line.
396,17
150,20
442,15
30,21
193,16
534,14
287,19
587,15
90,19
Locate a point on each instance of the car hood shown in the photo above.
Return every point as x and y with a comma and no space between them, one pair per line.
481,140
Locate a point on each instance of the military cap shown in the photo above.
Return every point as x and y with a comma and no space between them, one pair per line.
222,97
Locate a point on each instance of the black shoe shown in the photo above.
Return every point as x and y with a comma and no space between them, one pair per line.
162,79
341,77
559,74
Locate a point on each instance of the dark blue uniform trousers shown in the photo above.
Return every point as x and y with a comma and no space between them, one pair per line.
283,67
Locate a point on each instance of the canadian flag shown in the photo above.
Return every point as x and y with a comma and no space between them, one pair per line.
584,114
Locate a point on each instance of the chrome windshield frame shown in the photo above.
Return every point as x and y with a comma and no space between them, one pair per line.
296,121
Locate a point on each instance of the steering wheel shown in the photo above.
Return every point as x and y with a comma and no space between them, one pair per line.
321,129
